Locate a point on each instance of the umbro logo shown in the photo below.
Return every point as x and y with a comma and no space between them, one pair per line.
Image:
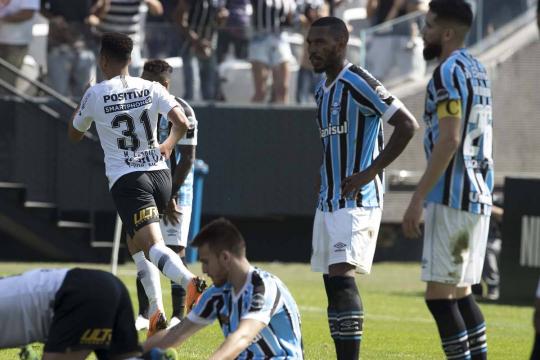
340,245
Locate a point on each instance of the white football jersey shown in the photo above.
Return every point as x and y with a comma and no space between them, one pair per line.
26,306
125,110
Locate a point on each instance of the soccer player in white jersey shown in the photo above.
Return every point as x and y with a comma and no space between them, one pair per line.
60,308
456,187
177,217
125,110
255,310
351,107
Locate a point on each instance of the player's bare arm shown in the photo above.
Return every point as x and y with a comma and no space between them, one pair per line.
180,125
239,340
74,135
187,158
405,125
443,151
174,336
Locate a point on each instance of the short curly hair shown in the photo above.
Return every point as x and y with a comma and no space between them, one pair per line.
157,70
116,46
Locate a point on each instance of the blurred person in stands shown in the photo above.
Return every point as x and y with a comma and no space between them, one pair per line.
198,21
71,62
129,17
256,312
307,79
125,111
455,190
351,109
395,51
269,50
16,21
60,308
158,46
176,220
235,33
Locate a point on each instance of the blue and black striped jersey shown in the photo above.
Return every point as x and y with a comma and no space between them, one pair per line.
467,183
264,298
350,112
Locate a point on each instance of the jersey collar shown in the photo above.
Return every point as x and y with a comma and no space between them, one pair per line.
345,68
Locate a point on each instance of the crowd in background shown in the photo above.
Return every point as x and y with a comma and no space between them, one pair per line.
207,33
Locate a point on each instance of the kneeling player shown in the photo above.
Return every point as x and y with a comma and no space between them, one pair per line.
255,310
61,308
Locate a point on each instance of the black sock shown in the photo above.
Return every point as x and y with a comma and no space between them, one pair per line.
178,293
143,300
451,327
476,327
536,349
332,313
350,316
178,300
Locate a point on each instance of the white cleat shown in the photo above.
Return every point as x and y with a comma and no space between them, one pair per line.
141,323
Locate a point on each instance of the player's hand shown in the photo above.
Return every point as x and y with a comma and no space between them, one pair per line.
412,218
172,214
351,185
165,150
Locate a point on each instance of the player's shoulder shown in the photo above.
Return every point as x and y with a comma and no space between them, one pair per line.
359,78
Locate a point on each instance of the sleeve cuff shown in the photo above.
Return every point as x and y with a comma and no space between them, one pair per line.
198,320
395,106
264,318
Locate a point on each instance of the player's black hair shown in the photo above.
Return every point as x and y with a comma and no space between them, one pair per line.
338,27
157,70
116,46
458,11
221,234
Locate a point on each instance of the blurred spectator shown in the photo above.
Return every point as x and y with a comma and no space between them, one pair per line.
159,46
128,17
332,5
199,20
269,50
235,32
307,79
16,20
397,50
71,62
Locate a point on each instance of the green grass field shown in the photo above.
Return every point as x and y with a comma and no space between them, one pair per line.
397,324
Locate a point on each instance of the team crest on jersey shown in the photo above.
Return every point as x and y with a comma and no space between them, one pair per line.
335,108
382,92
257,302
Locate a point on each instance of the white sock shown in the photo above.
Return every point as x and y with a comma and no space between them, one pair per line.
148,273
170,264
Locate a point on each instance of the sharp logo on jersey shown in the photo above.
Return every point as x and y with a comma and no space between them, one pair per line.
144,215
335,130
97,337
129,106
129,95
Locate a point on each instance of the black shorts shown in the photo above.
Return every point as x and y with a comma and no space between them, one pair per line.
92,310
140,197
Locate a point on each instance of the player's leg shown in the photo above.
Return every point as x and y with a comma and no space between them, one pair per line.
319,263
442,272
258,56
85,311
148,280
353,237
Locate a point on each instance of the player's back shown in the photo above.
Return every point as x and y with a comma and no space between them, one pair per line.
26,305
125,110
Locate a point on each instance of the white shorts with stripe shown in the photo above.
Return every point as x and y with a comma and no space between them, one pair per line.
177,235
454,245
345,236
